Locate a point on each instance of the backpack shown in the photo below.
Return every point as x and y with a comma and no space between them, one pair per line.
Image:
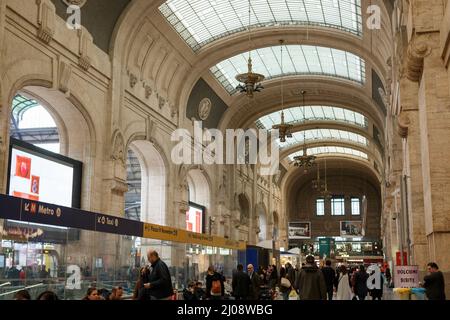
216,287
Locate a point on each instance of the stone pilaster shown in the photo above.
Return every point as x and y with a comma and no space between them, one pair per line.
409,122
434,109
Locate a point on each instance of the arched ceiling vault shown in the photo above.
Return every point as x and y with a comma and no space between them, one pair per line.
371,151
144,34
320,91
295,177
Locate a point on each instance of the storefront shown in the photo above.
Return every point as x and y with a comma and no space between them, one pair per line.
49,247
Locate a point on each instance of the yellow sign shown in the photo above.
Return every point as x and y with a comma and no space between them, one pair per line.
153,231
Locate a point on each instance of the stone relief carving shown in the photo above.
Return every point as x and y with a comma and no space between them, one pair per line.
204,108
78,3
86,44
161,102
118,151
148,91
46,20
133,80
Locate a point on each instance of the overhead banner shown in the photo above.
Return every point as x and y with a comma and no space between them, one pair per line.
153,231
406,276
26,210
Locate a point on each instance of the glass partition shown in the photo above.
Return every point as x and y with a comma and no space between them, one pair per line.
68,261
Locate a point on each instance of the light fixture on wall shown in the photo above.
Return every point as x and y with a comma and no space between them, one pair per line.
285,130
250,82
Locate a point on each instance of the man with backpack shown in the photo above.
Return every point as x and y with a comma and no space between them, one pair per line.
215,289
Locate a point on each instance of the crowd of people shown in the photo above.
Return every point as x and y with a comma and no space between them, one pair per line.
308,282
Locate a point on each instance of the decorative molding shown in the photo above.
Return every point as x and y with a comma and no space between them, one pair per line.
204,108
417,51
118,150
161,102
133,80
46,20
150,129
173,110
118,185
148,90
64,76
85,48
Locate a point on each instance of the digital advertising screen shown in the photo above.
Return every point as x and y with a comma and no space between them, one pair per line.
40,175
195,218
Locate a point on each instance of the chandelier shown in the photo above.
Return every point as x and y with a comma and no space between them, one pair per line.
285,129
304,161
250,82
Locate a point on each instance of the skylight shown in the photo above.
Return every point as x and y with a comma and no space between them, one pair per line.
199,22
297,115
323,134
297,60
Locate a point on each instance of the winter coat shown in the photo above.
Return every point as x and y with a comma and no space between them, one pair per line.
311,284
435,286
241,284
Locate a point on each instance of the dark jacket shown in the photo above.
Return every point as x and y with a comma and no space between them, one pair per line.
255,283
241,284
360,283
311,284
290,274
330,275
160,281
209,279
435,286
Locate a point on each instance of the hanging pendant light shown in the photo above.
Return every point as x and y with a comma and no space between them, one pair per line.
250,82
285,130
304,161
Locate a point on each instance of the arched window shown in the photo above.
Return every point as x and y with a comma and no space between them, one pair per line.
146,178
31,122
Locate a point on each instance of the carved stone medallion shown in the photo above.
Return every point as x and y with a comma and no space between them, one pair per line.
78,3
204,109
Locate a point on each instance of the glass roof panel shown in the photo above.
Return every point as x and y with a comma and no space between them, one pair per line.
330,150
302,114
323,134
200,22
297,60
